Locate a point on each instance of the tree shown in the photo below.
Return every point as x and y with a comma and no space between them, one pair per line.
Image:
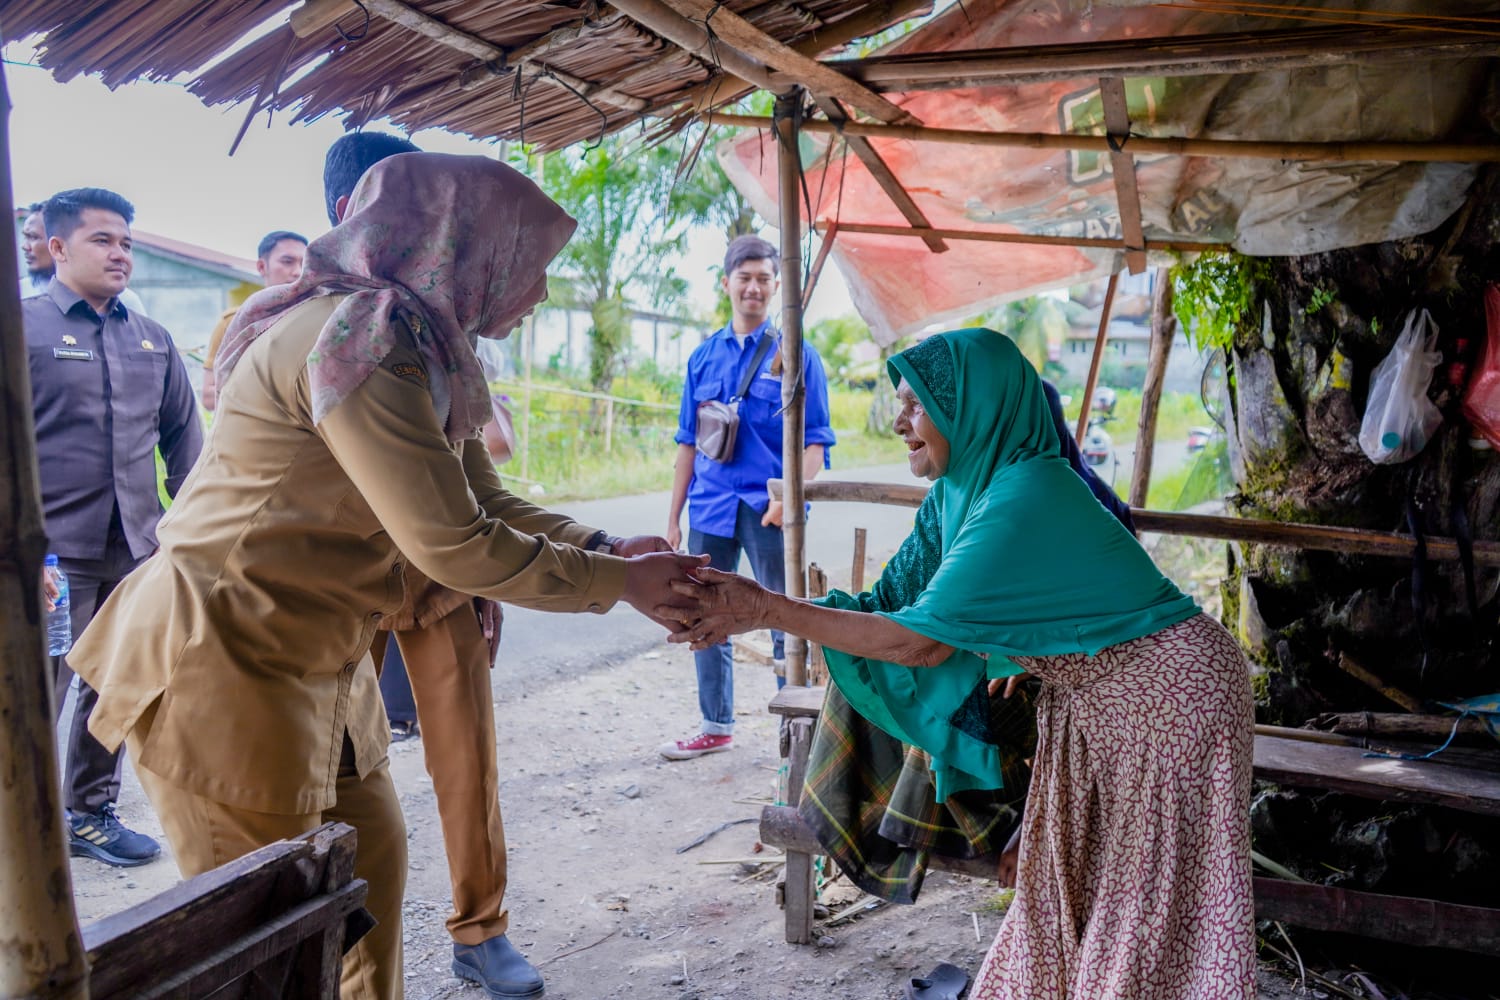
632,223
1301,336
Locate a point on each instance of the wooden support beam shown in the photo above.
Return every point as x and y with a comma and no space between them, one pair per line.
43,956
1122,166
1191,55
870,19
734,30
1393,152
1354,541
1101,340
1163,332
1025,239
825,247
695,37
793,390
882,174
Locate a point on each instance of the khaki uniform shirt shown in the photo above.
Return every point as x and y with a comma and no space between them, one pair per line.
241,646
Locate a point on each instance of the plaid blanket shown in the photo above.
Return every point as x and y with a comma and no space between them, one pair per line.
871,800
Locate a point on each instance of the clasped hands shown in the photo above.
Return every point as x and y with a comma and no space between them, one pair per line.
695,604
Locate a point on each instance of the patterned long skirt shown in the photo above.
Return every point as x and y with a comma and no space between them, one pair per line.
1133,880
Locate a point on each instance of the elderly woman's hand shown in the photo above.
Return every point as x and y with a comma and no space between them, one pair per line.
727,605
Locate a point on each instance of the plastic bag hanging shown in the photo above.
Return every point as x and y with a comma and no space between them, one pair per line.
1399,418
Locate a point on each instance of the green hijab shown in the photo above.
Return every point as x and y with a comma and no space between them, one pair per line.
1028,563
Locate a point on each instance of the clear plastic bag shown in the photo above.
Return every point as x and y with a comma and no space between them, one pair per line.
1482,398
1399,418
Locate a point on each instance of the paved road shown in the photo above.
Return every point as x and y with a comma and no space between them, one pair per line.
540,648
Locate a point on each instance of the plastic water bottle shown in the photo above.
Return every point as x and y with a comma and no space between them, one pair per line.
59,622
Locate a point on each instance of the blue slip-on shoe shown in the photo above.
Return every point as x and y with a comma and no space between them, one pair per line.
498,967
103,837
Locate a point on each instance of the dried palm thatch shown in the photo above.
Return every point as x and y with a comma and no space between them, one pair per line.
549,73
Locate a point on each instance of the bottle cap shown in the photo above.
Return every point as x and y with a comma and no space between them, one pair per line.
51,560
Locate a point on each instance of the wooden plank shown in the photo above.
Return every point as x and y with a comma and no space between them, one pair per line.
1189,55
262,947
1347,769
1023,239
1339,152
1425,923
1092,381
1401,726
817,666
800,888
797,702
1122,166
883,175
857,570
739,33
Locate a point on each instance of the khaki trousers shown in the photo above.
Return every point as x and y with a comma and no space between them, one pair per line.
448,664
205,834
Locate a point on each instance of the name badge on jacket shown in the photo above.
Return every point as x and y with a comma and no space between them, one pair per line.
72,354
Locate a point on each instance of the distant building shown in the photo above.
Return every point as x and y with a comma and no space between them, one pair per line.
185,287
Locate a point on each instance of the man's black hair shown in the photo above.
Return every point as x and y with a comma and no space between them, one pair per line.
35,207
63,212
746,248
268,242
349,157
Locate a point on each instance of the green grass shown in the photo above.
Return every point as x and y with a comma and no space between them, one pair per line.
1177,413
568,460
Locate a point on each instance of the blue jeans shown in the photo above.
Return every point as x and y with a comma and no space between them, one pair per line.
767,560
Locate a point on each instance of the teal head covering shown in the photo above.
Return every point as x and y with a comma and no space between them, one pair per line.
1028,563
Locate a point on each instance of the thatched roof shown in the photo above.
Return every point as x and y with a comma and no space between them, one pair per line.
551,73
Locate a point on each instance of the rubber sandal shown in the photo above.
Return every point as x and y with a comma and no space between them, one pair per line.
944,982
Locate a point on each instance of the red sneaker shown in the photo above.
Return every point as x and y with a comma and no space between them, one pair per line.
696,747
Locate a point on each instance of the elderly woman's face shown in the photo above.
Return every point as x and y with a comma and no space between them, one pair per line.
927,449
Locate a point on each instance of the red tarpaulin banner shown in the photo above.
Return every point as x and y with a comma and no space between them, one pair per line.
1261,206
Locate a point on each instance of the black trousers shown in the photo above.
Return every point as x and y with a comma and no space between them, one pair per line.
91,774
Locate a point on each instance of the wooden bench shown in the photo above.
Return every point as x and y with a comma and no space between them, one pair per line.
1327,763
274,923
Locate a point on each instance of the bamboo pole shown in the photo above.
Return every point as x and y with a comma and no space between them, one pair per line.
825,246
1192,55
1163,330
1024,239
43,953
529,350
1100,342
1338,152
793,392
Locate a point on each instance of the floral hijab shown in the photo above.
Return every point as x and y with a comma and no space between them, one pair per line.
1015,527
456,246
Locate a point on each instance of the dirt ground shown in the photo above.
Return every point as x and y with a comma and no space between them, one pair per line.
599,896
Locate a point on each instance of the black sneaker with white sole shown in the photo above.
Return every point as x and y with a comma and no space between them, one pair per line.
103,837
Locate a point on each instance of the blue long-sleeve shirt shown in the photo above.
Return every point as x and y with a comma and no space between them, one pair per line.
714,372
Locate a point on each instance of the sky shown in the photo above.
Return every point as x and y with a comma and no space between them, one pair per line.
167,153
